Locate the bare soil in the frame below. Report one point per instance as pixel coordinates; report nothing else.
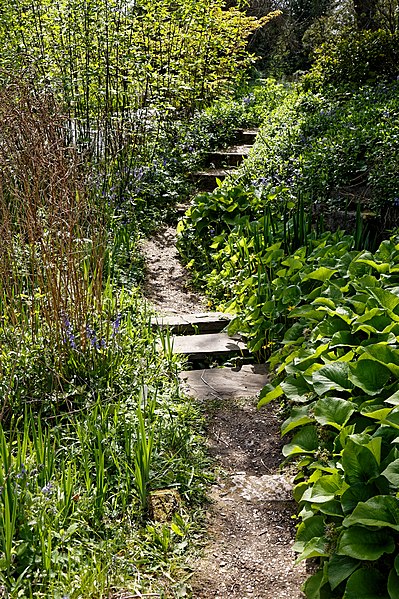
(251, 530)
(250, 533)
(166, 284)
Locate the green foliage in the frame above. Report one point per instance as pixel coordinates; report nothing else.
(355, 58)
(74, 479)
(339, 381)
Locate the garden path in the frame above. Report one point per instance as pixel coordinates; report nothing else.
(250, 526)
(248, 553)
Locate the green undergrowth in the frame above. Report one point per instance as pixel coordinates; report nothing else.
(338, 372)
(333, 148)
(323, 308)
(80, 456)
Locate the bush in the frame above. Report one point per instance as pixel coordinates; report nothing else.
(355, 58)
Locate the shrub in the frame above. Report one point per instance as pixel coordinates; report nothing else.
(355, 58)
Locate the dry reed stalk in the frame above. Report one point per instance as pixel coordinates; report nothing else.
(52, 240)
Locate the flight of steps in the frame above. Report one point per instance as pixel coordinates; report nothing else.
(224, 162)
(203, 340)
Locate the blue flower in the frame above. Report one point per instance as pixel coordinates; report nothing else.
(69, 336)
(47, 489)
(116, 325)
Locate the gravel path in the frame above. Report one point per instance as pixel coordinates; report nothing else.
(250, 533)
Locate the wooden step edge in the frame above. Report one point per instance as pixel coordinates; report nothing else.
(183, 324)
(226, 383)
(208, 346)
(232, 151)
(214, 172)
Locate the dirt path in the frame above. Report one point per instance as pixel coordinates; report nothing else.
(250, 527)
(165, 285)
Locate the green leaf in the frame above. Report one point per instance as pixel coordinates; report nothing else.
(306, 311)
(307, 530)
(385, 298)
(340, 567)
(299, 416)
(331, 508)
(382, 510)
(333, 411)
(315, 587)
(360, 465)
(366, 583)
(391, 473)
(393, 399)
(332, 377)
(354, 494)
(376, 412)
(269, 393)
(296, 389)
(364, 544)
(393, 584)
(344, 338)
(320, 274)
(324, 489)
(369, 375)
(306, 441)
(316, 547)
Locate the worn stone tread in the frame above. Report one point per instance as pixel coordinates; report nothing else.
(232, 156)
(246, 136)
(214, 172)
(208, 345)
(205, 322)
(225, 383)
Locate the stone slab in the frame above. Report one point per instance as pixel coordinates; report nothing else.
(225, 383)
(232, 156)
(269, 487)
(206, 179)
(208, 345)
(206, 322)
(246, 136)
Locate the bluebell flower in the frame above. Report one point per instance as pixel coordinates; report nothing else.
(116, 325)
(47, 489)
(69, 336)
(23, 472)
(91, 336)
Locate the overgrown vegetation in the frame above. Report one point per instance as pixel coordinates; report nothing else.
(320, 303)
(105, 106)
(96, 102)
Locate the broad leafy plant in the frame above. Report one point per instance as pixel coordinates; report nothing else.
(338, 372)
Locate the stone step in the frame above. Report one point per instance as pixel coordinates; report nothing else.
(210, 345)
(183, 324)
(225, 383)
(206, 180)
(246, 136)
(232, 156)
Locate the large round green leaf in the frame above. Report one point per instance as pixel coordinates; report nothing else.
(360, 464)
(366, 583)
(298, 417)
(340, 567)
(364, 544)
(306, 441)
(332, 377)
(333, 411)
(369, 375)
(380, 511)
